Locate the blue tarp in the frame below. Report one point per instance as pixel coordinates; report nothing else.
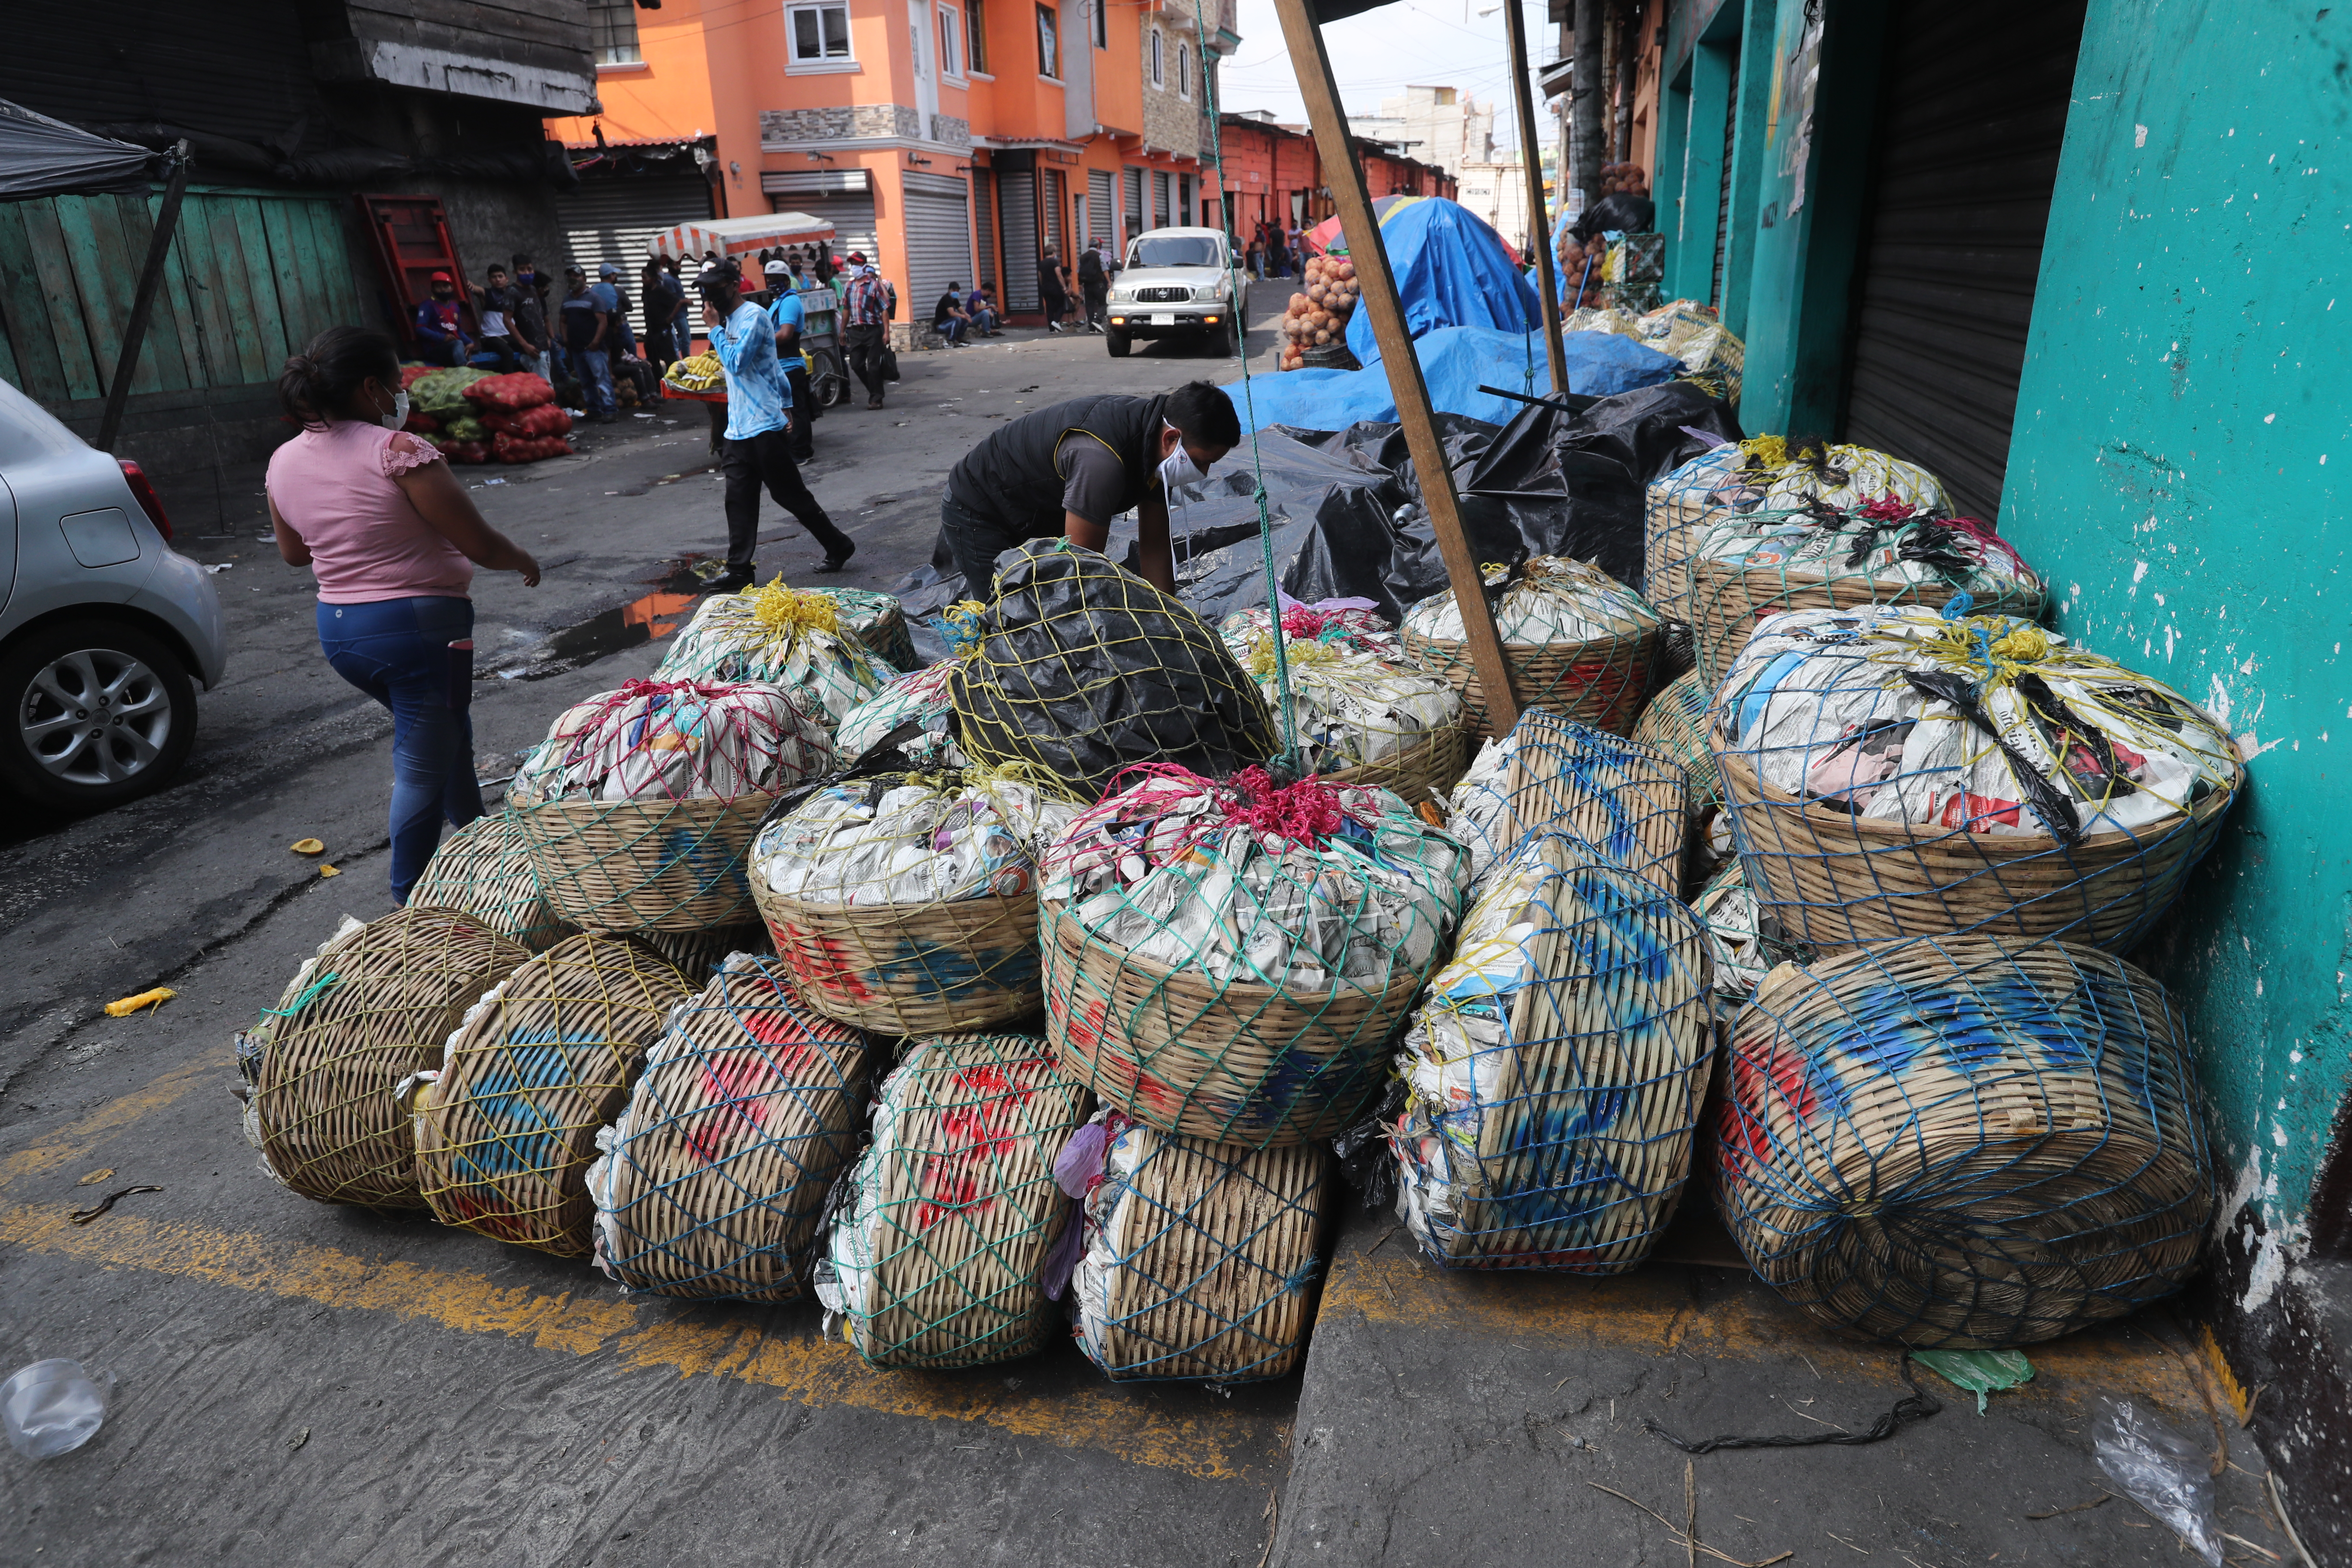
(1454, 361)
(1451, 272)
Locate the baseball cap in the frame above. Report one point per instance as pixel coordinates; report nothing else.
(775, 267)
(608, 271)
(441, 278)
(858, 258)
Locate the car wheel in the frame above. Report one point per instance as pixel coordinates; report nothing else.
(1221, 340)
(96, 714)
(1117, 341)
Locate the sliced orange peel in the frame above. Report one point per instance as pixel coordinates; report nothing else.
(308, 847)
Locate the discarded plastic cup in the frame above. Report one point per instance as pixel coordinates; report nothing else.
(53, 1408)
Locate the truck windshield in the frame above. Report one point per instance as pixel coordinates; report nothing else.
(1177, 250)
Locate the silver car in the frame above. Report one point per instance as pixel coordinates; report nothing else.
(105, 630)
(1177, 283)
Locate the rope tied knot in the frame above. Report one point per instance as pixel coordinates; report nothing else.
(1302, 652)
(1301, 621)
(780, 612)
(1306, 811)
(1888, 507)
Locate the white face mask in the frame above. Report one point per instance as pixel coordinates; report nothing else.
(399, 415)
(1178, 469)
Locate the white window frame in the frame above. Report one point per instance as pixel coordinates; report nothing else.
(1045, 14)
(1184, 70)
(950, 29)
(795, 64)
(1159, 61)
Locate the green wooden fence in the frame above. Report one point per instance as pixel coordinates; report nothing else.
(253, 276)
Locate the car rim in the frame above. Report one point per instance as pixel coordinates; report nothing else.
(95, 717)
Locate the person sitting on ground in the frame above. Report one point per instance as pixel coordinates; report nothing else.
(950, 319)
(440, 326)
(981, 306)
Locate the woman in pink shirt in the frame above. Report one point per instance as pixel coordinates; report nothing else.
(375, 512)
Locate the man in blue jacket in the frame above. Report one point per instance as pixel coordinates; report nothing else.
(759, 422)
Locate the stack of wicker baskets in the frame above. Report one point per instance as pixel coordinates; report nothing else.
(1600, 678)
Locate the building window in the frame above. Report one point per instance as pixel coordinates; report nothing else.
(1049, 42)
(1159, 64)
(1184, 70)
(975, 34)
(950, 41)
(820, 33)
(613, 32)
(1101, 9)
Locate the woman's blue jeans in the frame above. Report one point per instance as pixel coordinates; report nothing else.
(417, 657)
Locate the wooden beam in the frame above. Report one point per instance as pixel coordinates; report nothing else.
(1539, 219)
(1345, 177)
(143, 304)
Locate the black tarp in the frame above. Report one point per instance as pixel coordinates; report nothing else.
(44, 157)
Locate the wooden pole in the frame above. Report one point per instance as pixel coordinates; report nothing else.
(1345, 175)
(143, 305)
(1539, 219)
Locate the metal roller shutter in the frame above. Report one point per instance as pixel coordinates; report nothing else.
(1016, 206)
(1160, 198)
(851, 213)
(1098, 204)
(1723, 186)
(610, 220)
(1134, 209)
(1971, 120)
(938, 240)
(1055, 205)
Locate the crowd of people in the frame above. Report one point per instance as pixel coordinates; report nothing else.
(1274, 251)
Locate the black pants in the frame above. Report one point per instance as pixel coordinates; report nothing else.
(863, 347)
(767, 459)
(975, 540)
(1098, 305)
(803, 409)
(1057, 307)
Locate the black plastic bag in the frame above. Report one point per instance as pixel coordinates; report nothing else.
(1620, 212)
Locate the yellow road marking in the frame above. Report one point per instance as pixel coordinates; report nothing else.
(68, 1143)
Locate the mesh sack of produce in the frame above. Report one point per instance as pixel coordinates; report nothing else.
(1745, 566)
(1675, 722)
(697, 955)
(803, 640)
(1623, 798)
(1554, 1076)
(1362, 717)
(1575, 640)
(483, 869)
(639, 805)
(1082, 668)
(1891, 772)
(442, 393)
(1763, 474)
(907, 902)
(1962, 1143)
(911, 715)
(713, 1181)
(938, 1255)
(506, 1128)
(1196, 1259)
(1232, 961)
(372, 1005)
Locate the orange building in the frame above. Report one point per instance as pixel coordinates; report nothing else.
(1273, 173)
(943, 138)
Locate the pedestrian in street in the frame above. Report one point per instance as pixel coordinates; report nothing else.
(393, 539)
(614, 301)
(440, 326)
(1256, 253)
(1094, 282)
(950, 319)
(587, 342)
(529, 317)
(866, 307)
(494, 304)
(1065, 471)
(981, 306)
(665, 300)
(787, 313)
(759, 421)
(1050, 291)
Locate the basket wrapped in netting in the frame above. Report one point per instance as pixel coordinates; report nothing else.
(1232, 961)
(1083, 669)
(1198, 1258)
(714, 1179)
(1757, 475)
(1737, 936)
(1675, 722)
(1363, 715)
(1745, 566)
(911, 716)
(1962, 1143)
(697, 954)
(938, 1256)
(643, 800)
(372, 1005)
(1576, 642)
(802, 639)
(1891, 773)
(1351, 625)
(907, 902)
(483, 869)
(507, 1128)
(1554, 1078)
(1619, 795)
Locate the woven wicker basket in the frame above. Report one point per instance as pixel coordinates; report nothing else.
(697, 955)
(1623, 798)
(1674, 722)
(938, 1257)
(1236, 1063)
(717, 1173)
(1423, 770)
(1602, 683)
(1964, 1144)
(504, 1137)
(900, 969)
(1672, 520)
(613, 866)
(382, 1002)
(1725, 601)
(1834, 880)
(483, 869)
(1201, 1258)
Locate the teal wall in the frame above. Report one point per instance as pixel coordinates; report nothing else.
(2175, 471)
(1707, 43)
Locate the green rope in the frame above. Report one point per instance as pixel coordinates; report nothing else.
(311, 992)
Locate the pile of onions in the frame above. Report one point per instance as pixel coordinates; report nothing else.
(1319, 317)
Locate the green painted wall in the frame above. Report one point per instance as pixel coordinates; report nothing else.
(2175, 471)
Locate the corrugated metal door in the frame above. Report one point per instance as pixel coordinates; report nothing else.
(1134, 209)
(984, 212)
(1055, 208)
(1160, 198)
(938, 240)
(1971, 120)
(1016, 210)
(1098, 205)
(1723, 186)
(851, 213)
(611, 220)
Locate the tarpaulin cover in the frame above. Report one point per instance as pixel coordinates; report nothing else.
(1451, 270)
(44, 157)
(1456, 361)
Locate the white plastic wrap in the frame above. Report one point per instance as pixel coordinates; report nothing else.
(909, 839)
(1556, 599)
(676, 741)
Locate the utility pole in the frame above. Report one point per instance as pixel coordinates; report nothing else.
(1591, 94)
